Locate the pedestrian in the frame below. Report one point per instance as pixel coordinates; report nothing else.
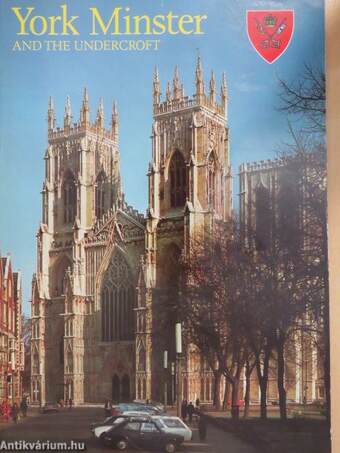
(190, 410)
(197, 403)
(24, 407)
(202, 427)
(108, 408)
(184, 410)
(15, 412)
(5, 409)
(114, 411)
(70, 403)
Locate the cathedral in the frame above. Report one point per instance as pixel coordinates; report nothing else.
(102, 266)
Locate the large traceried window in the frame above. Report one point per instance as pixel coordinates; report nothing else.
(178, 180)
(70, 198)
(117, 297)
(100, 195)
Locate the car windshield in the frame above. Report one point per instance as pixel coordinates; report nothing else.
(159, 425)
(173, 423)
(118, 420)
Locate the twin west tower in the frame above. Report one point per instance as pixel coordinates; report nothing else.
(102, 267)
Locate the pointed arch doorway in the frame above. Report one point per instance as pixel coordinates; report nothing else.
(115, 389)
(126, 388)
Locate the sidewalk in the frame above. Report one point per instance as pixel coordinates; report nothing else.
(32, 412)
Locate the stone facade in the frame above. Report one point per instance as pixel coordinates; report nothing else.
(263, 189)
(11, 344)
(104, 270)
(102, 267)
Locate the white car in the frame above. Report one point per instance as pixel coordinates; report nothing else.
(174, 425)
(100, 430)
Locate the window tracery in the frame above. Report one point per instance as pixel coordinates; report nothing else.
(178, 180)
(117, 301)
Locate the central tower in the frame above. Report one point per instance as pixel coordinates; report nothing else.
(189, 187)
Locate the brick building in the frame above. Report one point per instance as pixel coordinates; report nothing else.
(11, 347)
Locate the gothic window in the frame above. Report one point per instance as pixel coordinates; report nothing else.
(212, 182)
(36, 308)
(263, 218)
(61, 351)
(207, 390)
(69, 305)
(69, 361)
(36, 391)
(289, 202)
(178, 180)
(144, 389)
(100, 195)
(56, 168)
(202, 390)
(185, 388)
(70, 198)
(47, 168)
(58, 276)
(117, 301)
(142, 359)
(45, 207)
(35, 367)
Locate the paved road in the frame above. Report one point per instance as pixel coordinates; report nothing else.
(74, 425)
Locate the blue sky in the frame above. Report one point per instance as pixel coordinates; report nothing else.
(27, 79)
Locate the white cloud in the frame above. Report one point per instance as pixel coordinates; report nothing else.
(246, 85)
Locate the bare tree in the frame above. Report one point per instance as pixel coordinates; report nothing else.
(211, 305)
(306, 98)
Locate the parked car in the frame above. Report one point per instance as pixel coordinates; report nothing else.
(145, 434)
(107, 421)
(174, 425)
(138, 407)
(51, 406)
(156, 404)
(100, 428)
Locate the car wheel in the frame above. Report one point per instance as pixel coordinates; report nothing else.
(170, 447)
(122, 444)
(102, 437)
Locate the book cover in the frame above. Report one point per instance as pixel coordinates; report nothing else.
(164, 273)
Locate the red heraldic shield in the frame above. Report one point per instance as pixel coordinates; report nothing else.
(270, 32)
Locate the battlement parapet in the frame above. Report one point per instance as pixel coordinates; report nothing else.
(262, 165)
(80, 129)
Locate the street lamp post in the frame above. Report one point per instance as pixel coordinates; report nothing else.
(165, 365)
(178, 367)
(173, 397)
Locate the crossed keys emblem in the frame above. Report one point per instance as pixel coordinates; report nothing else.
(270, 32)
(271, 38)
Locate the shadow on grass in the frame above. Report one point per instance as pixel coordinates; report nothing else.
(276, 436)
